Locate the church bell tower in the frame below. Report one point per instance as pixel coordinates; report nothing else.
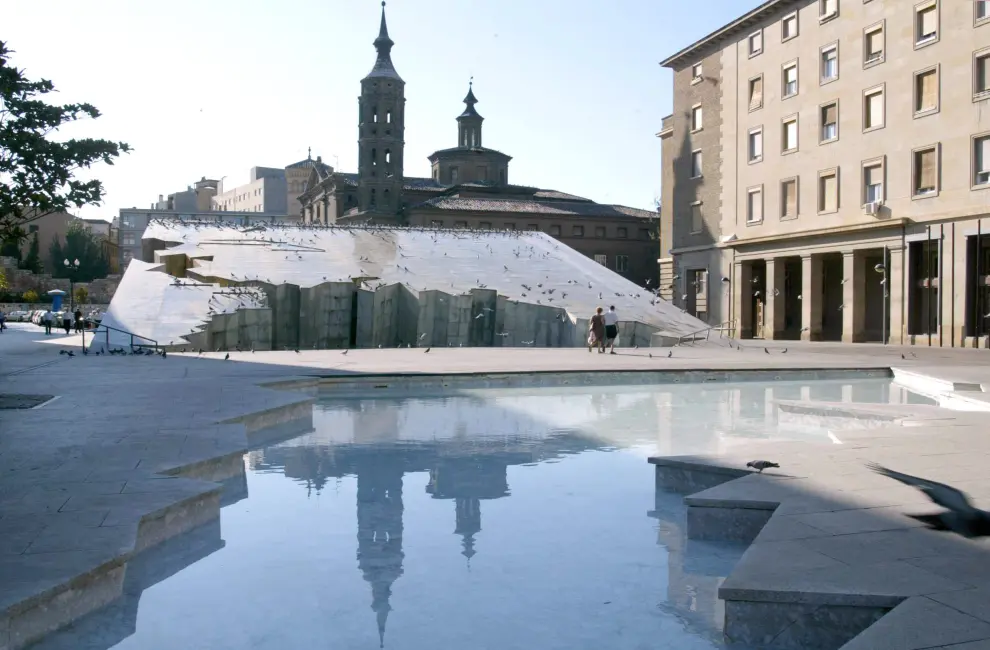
(381, 128)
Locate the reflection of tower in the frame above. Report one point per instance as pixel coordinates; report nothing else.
(467, 481)
(379, 515)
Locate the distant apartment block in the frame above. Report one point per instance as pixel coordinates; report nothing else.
(270, 189)
(826, 173)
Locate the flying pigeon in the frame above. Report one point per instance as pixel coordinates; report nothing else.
(960, 516)
(761, 465)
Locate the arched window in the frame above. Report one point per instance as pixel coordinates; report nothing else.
(388, 156)
(374, 115)
(372, 196)
(374, 157)
(473, 143)
(388, 117)
(385, 196)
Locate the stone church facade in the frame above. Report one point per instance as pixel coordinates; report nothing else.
(468, 188)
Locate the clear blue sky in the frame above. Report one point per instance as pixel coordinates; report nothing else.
(571, 89)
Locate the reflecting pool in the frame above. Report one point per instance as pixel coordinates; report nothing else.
(469, 519)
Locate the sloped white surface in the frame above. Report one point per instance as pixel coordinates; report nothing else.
(525, 266)
(155, 306)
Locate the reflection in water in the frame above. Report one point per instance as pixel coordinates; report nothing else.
(569, 558)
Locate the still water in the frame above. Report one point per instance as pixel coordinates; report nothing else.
(470, 519)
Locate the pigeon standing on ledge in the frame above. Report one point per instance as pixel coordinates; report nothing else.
(960, 516)
(761, 465)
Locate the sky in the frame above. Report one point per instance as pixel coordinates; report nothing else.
(571, 89)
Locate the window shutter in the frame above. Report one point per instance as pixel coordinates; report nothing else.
(828, 6)
(983, 155)
(875, 109)
(831, 114)
(928, 21)
(790, 74)
(874, 43)
(696, 218)
(790, 135)
(926, 169)
(756, 93)
(757, 143)
(790, 198)
(874, 175)
(928, 92)
(757, 41)
(756, 205)
(829, 193)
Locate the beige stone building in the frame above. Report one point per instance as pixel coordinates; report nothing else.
(468, 187)
(826, 165)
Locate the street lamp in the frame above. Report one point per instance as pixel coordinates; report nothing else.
(882, 268)
(71, 267)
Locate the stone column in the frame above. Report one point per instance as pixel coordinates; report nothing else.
(895, 287)
(742, 294)
(853, 296)
(811, 297)
(773, 315)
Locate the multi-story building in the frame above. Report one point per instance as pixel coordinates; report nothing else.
(131, 223)
(827, 165)
(468, 187)
(195, 198)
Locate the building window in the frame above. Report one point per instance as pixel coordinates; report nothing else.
(982, 8)
(128, 240)
(981, 161)
(827, 9)
(873, 43)
(601, 259)
(388, 117)
(789, 27)
(482, 173)
(754, 205)
(873, 183)
(981, 75)
(555, 231)
(622, 263)
(577, 231)
(789, 134)
(926, 24)
(644, 234)
(128, 255)
(873, 109)
(485, 225)
(696, 164)
(926, 92)
(696, 73)
(34, 229)
(622, 232)
(509, 226)
(756, 93)
(453, 175)
(925, 172)
(789, 198)
(756, 145)
(372, 196)
(436, 223)
(460, 224)
(830, 122)
(755, 43)
(600, 232)
(828, 191)
(696, 118)
(830, 63)
(697, 223)
(790, 80)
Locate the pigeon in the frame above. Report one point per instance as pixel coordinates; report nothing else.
(761, 465)
(226, 356)
(650, 354)
(784, 351)
(344, 352)
(670, 354)
(296, 350)
(427, 350)
(70, 353)
(903, 357)
(766, 350)
(960, 516)
(163, 354)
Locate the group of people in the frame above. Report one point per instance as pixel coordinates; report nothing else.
(604, 330)
(68, 318)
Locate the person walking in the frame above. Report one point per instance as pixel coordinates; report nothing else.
(611, 328)
(596, 337)
(67, 321)
(46, 318)
(79, 320)
(3, 321)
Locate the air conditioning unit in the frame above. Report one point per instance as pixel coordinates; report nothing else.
(872, 208)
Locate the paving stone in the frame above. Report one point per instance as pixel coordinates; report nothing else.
(920, 623)
(975, 602)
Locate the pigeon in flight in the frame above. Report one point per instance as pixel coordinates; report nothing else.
(761, 465)
(960, 516)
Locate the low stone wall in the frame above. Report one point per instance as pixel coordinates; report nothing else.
(7, 307)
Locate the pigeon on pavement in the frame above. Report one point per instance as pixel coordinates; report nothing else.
(960, 516)
(761, 465)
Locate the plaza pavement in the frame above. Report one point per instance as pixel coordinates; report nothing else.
(131, 451)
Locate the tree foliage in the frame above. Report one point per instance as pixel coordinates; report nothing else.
(10, 248)
(80, 244)
(3, 280)
(82, 295)
(31, 296)
(37, 174)
(32, 261)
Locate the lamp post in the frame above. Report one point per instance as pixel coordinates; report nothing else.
(71, 268)
(882, 268)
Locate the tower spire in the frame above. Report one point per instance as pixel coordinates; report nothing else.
(469, 122)
(383, 44)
